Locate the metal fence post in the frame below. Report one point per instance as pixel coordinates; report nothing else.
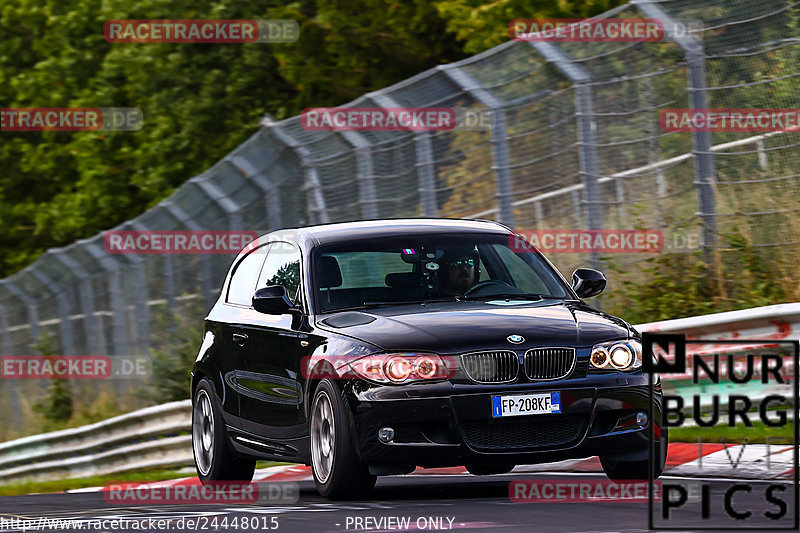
(317, 210)
(13, 387)
(119, 330)
(704, 165)
(426, 174)
(5, 336)
(270, 190)
(142, 314)
(67, 340)
(653, 152)
(231, 208)
(762, 156)
(704, 158)
(587, 133)
(364, 173)
(86, 295)
(30, 305)
(469, 84)
(206, 277)
(423, 148)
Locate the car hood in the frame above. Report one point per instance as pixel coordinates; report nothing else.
(466, 326)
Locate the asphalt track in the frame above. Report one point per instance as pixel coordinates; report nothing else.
(473, 503)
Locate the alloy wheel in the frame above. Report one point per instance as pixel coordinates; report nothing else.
(323, 437)
(203, 432)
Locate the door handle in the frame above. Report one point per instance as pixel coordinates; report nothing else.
(239, 338)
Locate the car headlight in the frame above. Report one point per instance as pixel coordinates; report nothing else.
(617, 355)
(400, 368)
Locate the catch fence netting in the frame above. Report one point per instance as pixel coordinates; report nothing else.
(573, 141)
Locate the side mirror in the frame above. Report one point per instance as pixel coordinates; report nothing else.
(587, 282)
(272, 300)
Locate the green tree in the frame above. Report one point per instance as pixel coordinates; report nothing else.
(480, 25)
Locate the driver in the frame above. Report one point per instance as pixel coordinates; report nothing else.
(460, 270)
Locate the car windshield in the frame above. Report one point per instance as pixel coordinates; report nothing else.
(423, 268)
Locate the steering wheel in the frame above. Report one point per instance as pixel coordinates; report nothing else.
(483, 284)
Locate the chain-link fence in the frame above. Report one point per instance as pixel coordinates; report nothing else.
(575, 142)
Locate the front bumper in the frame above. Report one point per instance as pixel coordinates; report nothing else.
(444, 424)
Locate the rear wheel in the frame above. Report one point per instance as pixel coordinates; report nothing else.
(338, 474)
(213, 456)
(489, 470)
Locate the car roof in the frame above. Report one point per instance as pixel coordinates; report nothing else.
(346, 231)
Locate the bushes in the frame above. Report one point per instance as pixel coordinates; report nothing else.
(678, 285)
(175, 344)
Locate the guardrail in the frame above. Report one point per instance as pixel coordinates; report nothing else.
(160, 436)
(156, 436)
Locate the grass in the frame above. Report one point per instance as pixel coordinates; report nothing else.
(757, 434)
(61, 485)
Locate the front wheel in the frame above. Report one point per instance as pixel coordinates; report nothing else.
(338, 474)
(213, 456)
(618, 470)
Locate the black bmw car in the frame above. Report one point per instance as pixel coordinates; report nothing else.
(371, 348)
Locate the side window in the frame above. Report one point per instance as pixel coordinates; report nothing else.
(244, 278)
(282, 268)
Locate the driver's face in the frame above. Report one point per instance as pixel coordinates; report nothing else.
(460, 275)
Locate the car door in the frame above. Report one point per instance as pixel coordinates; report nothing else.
(271, 396)
(229, 330)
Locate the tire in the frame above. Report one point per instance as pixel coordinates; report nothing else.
(489, 470)
(617, 470)
(338, 474)
(214, 458)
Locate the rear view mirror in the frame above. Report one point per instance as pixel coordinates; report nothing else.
(588, 282)
(272, 300)
(421, 254)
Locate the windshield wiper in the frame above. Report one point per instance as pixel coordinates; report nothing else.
(510, 296)
(371, 305)
(367, 305)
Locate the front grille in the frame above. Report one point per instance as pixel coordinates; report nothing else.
(549, 363)
(539, 432)
(491, 367)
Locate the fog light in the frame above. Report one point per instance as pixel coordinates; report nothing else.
(641, 419)
(385, 435)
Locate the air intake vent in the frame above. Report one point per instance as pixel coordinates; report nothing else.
(534, 432)
(491, 367)
(549, 363)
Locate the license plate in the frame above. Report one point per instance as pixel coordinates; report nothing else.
(526, 404)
